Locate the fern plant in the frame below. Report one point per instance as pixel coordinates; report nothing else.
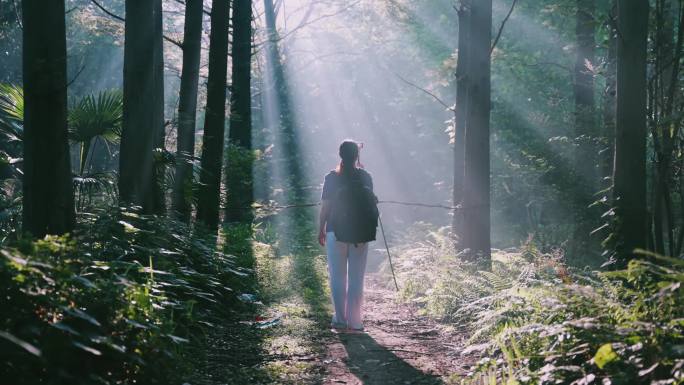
(535, 320)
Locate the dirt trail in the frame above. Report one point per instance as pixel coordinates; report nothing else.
(294, 345)
(398, 346)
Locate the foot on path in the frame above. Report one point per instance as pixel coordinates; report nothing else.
(292, 342)
(397, 347)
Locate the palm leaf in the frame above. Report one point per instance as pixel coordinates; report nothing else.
(97, 115)
(11, 111)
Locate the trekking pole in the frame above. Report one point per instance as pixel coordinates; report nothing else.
(389, 256)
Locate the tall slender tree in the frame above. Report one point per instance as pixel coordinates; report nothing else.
(583, 86)
(585, 119)
(48, 203)
(158, 100)
(187, 109)
(663, 125)
(277, 73)
(283, 113)
(462, 74)
(276, 78)
(630, 141)
(476, 189)
(215, 117)
(609, 97)
(240, 188)
(138, 130)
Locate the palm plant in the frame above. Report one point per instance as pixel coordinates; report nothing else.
(94, 118)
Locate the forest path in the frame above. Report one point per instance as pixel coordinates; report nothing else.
(397, 347)
(287, 340)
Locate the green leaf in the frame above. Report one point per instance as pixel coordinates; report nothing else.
(25, 345)
(97, 115)
(605, 355)
(81, 314)
(129, 228)
(87, 348)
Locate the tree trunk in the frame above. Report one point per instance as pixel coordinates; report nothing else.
(215, 117)
(138, 133)
(609, 99)
(460, 116)
(630, 142)
(159, 169)
(288, 144)
(476, 196)
(585, 130)
(277, 75)
(187, 109)
(239, 181)
(664, 125)
(584, 94)
(48, 202)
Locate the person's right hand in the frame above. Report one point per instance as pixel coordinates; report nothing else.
(321, 238)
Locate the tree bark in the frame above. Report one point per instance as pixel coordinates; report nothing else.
(240, 189)
(476, 196)
(159, 169)
(584, 93)
(215, 117)
(288, 144)
(609, 99)
(48, 202)
(187, 109)
(585, 131)
(630, 142)
(138, 133)
(460, 115)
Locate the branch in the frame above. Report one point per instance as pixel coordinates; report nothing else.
(76, 76)
(121, 19)
(326, 16)
(174, 42)
(105, 10)
(503, 24)
(305, 18)
(440, 101)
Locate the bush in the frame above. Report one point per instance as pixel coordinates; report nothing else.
(534, 320)
(122, 300)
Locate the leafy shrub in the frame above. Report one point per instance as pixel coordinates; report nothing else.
(122, 300)
(533, 320)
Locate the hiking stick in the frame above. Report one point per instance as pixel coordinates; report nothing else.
(389, 256)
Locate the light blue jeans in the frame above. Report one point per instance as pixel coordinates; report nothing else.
(346, 269)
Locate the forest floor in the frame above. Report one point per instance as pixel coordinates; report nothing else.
(398, 346)
(288, 339)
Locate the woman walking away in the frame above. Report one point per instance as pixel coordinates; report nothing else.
(348, 221)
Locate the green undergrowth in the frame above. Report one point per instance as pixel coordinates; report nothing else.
(533, 319)
(288, 321)
(291, 276)
(125, 299)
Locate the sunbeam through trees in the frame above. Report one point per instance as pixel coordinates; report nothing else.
(326, 192)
